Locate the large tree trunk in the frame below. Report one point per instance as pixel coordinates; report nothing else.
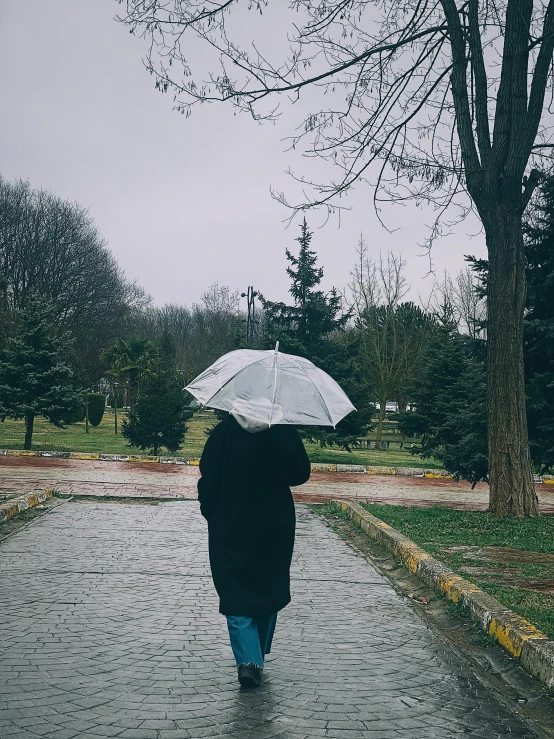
(512, 490)
(29, 424)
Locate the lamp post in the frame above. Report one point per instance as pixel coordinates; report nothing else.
(251, 313)
(116, 388)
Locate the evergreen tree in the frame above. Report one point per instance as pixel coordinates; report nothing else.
(304, 327)
(315, 327)
(538, 336)
(341, 361)
(158, 418)
(96, 403)
(34, 378)
(4, 319)
(450, 403)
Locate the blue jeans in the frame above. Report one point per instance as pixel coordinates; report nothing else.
(251, 638)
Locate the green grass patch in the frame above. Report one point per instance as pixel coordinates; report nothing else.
(392, 458)
(436, 528)
(103, 440)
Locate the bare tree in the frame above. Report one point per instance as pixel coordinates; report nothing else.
(444, 97)
(393, 334)
(201, 333)
(470, 304)
(51, 248)
(461, 302)
(443, 301)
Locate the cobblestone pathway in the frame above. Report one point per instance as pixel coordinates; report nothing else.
(109, 628)
(169, 481)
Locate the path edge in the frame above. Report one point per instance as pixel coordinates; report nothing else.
(195, 461)
(363, 469)
(533, 650)
(13, 507)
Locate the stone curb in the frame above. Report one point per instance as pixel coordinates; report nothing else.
(359, 469)
(11, 508)
(316, 466)
(521, 639)
(97, 456)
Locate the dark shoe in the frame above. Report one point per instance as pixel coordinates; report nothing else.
(250, 676)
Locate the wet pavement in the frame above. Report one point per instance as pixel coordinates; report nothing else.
(109, 628)
(171, 481)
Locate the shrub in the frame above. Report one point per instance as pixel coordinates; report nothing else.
(96, 406)
(159, 416)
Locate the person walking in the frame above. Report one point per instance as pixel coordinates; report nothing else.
(250, 461)
(247, 469)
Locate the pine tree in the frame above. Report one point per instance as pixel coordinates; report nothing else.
(158, 418)
(538, 333)
(34, 378)
(450, 403)
(4, 319)
(304, 327)
(315, 327)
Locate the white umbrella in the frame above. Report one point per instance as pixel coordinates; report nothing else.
(271, 387)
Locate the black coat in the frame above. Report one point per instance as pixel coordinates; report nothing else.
(244, 495)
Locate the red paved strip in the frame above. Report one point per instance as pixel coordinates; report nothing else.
(94, 464)
(172, 481)
(393, 480)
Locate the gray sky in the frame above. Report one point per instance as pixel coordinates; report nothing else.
(182, 203)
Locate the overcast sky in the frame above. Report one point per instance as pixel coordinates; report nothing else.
(181, 202)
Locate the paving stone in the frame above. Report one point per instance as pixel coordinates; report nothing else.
(118, 634)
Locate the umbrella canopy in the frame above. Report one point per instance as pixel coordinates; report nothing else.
(271, 387)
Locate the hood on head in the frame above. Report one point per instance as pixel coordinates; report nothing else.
(250, 424)
(253, 415)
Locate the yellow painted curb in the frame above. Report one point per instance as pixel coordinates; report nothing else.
(410, 554)
(512, 632)
(455, 587)
(315, 466)
(437, 476)
(12, 507)
(519, 637)
(380, 470)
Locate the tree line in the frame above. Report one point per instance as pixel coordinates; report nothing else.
(430, 359)
(444, 103)
(71, 323)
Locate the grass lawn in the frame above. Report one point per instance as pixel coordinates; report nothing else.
(102, 439)
(523, 580)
